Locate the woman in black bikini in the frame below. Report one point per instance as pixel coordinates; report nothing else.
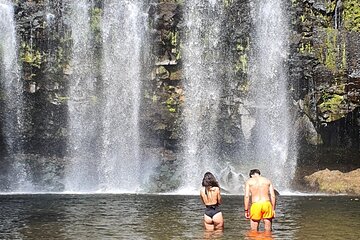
(210, 196)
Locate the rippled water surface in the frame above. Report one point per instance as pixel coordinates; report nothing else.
(121, 216)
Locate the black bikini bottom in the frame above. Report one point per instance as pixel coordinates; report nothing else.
(211, 210)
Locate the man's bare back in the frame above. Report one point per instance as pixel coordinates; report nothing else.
(262, 194)
(259, 188)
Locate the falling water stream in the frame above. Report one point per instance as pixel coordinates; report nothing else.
(104, 96)
(12, 88)
(104, 118)
(271, 146)
(81, 173)
(202, 73)
(124, 32)
(268, 142)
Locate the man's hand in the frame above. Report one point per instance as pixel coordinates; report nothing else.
(247, 214)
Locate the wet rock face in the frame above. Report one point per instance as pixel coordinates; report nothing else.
(41, 56)
(324, 68)
(336, 182)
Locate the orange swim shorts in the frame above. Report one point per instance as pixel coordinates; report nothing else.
(261, 210)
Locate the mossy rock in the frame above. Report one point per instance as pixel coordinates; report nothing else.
(351, 15)
(162, 72)
(332, 109)
(176, 75)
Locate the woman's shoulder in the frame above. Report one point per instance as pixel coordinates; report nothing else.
(215, 189)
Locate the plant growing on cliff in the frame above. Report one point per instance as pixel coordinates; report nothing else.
(95, 24)
(332, 50)
(170, 103)
(331, 107)
(227, 3)
(351, 15)
(31, 56)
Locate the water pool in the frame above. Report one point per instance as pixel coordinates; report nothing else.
(132, 216)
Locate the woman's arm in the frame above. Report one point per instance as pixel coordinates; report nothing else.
(202, 196)
(219, 199)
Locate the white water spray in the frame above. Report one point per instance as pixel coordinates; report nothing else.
(202, 72)
(271, 147)
(123, 29)
(81, 173)
(12, 88)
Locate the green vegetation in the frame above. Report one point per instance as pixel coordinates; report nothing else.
(170, 104)
(61, 99)
(242, 63)
(351, 15)
(332, 105)
(154, 98)
(31, 56)
(244, 87)
(174, 37)
(305, 48)
(95, 23)
(331, 49)
(175, 43)
(330, 6)
(162, 72)
(302, 18)
(332, 53)
(227, 3)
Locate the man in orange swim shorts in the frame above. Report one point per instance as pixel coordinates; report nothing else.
(263, 205)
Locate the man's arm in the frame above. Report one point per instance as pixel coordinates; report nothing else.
(272, 196)
(247, 200)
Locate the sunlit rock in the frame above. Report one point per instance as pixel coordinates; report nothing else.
(337, 182)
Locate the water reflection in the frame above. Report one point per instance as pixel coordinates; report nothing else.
(169, 217)
(265, 235)
(213, 234)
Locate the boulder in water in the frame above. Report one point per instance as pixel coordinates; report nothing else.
(335, 182)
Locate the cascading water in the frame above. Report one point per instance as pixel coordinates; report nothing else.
(81, 174)
(202, 83)
(124, 31)
(104, 117)
(104, 137)
(12, 90)
(271, 146)
(269, 140)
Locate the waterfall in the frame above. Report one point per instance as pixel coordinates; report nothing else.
(202, 84)
(11, 88)
(123, 30)
(104, 130)
(81, 174)
(271, 146)
(268, 141)
(337, 14)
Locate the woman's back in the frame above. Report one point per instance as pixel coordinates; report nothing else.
(210, 195)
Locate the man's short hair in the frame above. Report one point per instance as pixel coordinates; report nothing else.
(253, 171)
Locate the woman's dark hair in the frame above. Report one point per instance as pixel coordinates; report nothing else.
(253, 171)
(209, 180)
